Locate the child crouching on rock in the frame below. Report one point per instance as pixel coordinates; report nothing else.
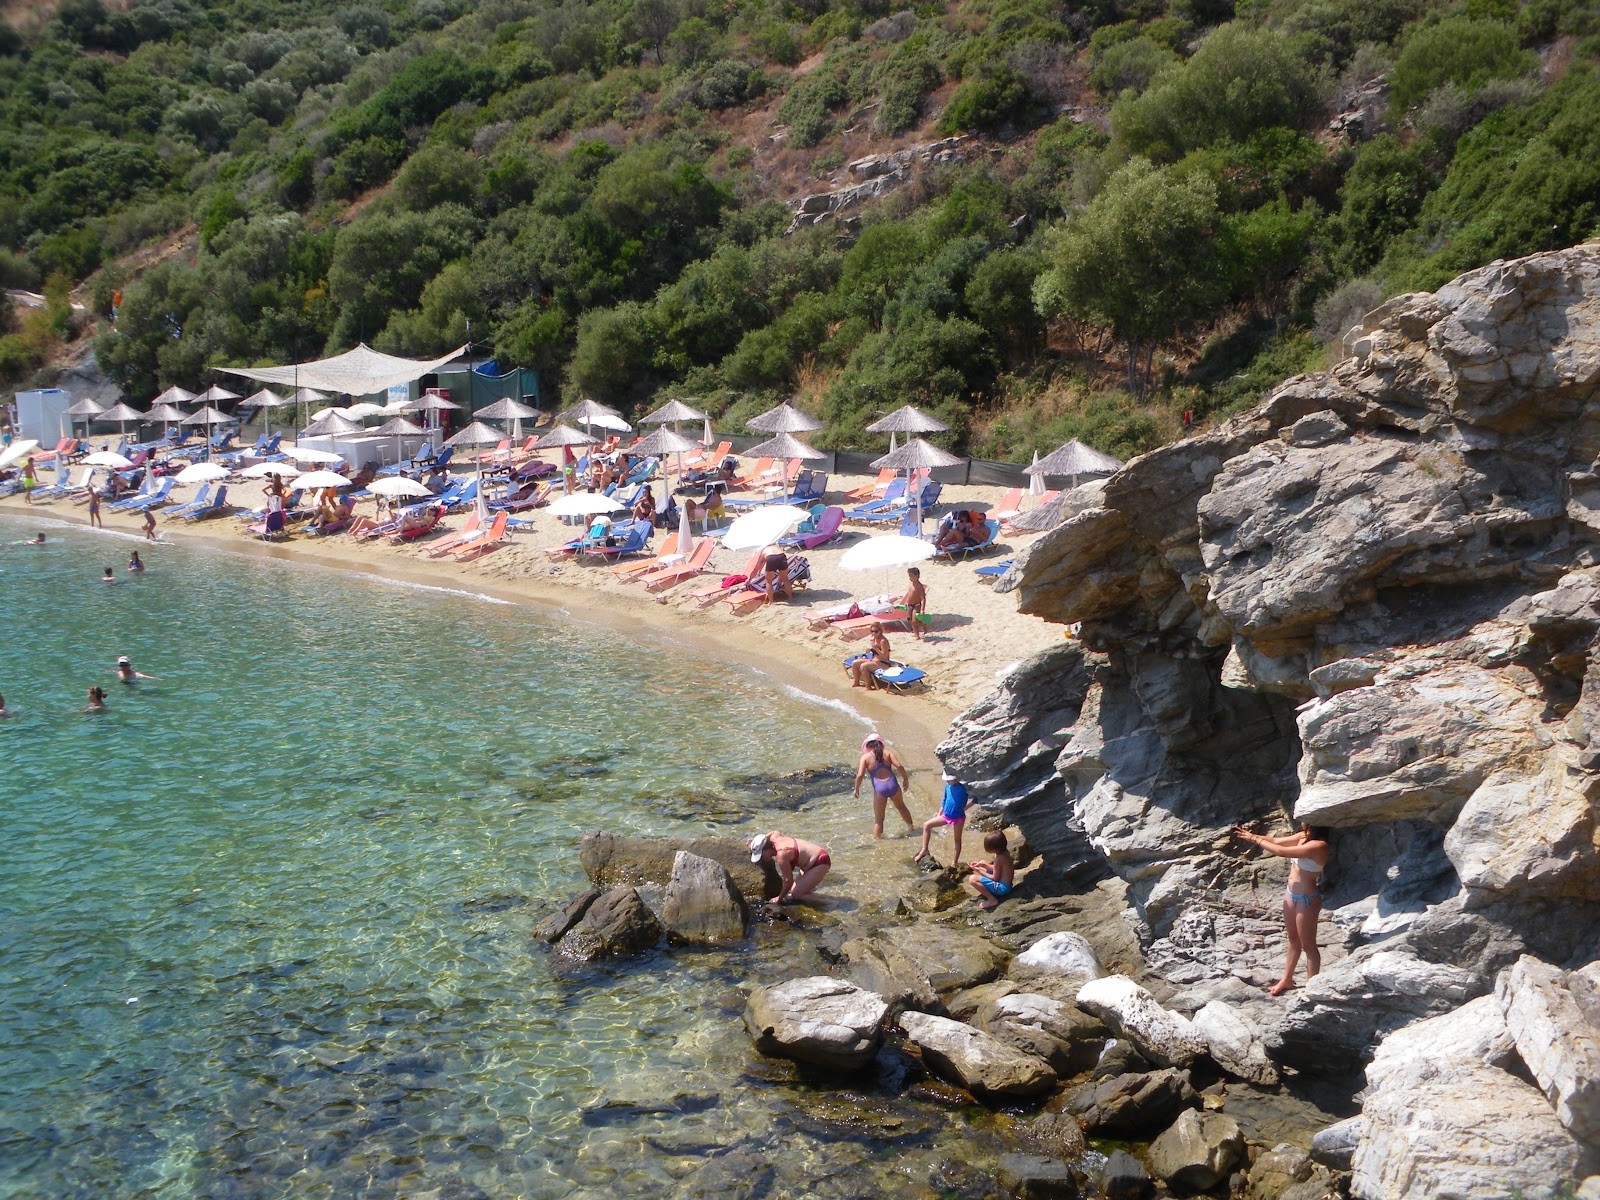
(992, 881)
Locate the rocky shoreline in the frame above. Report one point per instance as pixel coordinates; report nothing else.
(1372, 603)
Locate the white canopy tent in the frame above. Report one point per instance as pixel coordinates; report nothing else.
(359, 372)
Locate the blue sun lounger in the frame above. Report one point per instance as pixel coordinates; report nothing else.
(200, 501)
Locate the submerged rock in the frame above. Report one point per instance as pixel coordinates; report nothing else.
(1036, 1177)
(819, 1020)
(702, 903)
(1124, 1178)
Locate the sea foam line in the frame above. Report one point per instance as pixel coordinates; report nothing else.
(387, 581)
(843, 706)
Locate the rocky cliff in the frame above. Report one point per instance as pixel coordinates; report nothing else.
(1372, 603)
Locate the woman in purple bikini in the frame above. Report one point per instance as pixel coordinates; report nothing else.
(880, 764)
(1307, 852)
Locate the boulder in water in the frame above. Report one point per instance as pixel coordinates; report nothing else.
(1124, 1177)
(1065, 1036)
(610, 859)
(1036, 1177)
(984, 1065)
(819, 1020)
(615, 922)
(880, 966)
(702, 903)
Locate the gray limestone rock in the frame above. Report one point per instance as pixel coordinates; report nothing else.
(1055, 1135)
(879, 965)
(1553, 1017)
(1065, 1036)
(702, 903)
(1287, 1172)
(615, 922)
(952, 958)
(819, 1020)
(1129, 1011)
(1234, 1042)
(1197, 1151)
(1063, 955)
(1335, 1145)
(982, 1064)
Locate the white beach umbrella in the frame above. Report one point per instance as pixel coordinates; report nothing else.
(266, 470)
(322, 479)
(890, 550)
(311, 454)
(1035, 477)
(18, 451)
(365, 408)
(107, 458)
(763, 526)
(200, 473)
(584, 504)
(685, 533)
(397, 485)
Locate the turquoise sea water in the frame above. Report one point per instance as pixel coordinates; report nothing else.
(264, 924)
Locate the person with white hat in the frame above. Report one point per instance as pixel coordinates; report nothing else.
(801, 865)
(880, 765)
(126, 673)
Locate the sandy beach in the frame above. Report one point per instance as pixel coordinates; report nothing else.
(975, 632)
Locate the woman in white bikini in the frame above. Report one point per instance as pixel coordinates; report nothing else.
(1307, 852)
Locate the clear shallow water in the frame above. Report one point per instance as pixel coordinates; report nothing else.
(264, 924)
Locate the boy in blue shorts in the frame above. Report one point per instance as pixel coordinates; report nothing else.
(992, 880)
(953, 812)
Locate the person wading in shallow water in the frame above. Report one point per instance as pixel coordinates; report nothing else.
(1307, 852)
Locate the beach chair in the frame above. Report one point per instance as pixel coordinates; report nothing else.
(756, 477)
(633, 541)
(1005, 522)
(154, 492)
(894, 495)
(274, 528)
(632, 570)
(484, 543)
(896, 619)
(424, 455)
(797, 578)
(1010, 505)
(826, 530)
(897, 677)
(54, 455)
(415, 523)
(995, 570)
(876, 488)
(200, 501)
(672, 574)
(991, 531)
(503, 450)
(219, 501)
(729, 584)
(707, 458)
(63, 486)
(468, 531)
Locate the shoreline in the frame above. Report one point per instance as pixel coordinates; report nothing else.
(913, 725)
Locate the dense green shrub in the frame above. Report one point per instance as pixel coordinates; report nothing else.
(990, 100)
(1239, 81)
(1382, 195)
(1459, 50)
(808, 108)
(1129, 66)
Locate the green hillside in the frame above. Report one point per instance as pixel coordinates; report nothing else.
(1142, 207)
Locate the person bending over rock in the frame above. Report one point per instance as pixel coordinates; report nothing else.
(801, 865)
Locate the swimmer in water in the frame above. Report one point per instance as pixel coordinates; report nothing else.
(3, 710)
(134, 562)
(108, 577)
(97, 700)
(36, 540)
(127, 674)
